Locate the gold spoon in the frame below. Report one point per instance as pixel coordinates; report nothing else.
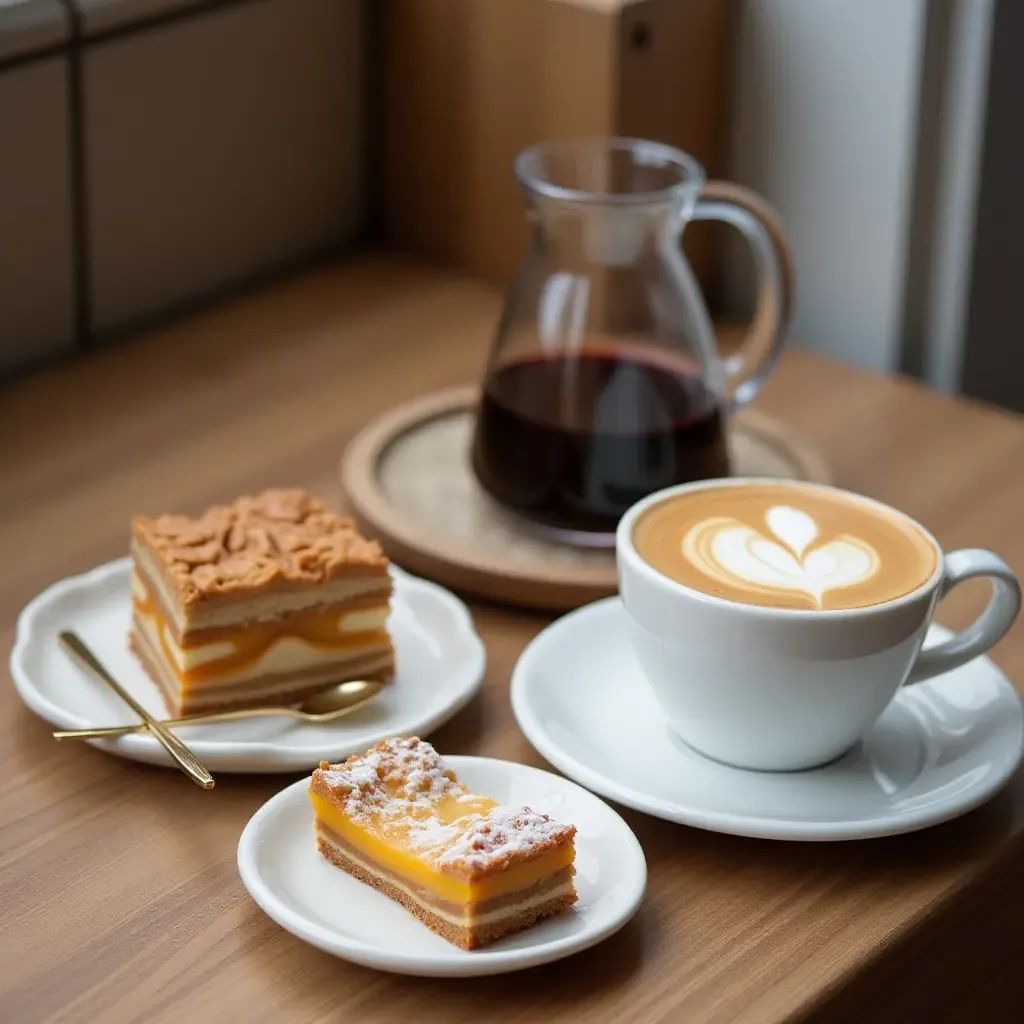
(325, 706)
(186, 760)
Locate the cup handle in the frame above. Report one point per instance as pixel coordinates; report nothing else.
(987, 629)
(754, 218)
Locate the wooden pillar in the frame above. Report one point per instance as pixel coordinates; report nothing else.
(469, 83)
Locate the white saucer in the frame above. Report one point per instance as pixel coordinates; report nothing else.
(302, 892)
(941, 748)
(440, 662)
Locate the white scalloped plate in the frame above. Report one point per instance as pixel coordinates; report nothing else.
(319, 903)
(439, 656)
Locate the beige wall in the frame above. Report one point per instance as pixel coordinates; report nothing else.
(825, 126)
(154, 153)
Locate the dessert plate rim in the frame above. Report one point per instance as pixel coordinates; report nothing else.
(262, 879)
(949, 801)
(461, 682)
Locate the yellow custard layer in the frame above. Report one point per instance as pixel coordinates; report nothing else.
(385, 844)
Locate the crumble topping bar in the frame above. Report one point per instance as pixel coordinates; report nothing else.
(469, 868)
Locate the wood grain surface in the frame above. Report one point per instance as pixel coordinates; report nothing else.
(119, 896)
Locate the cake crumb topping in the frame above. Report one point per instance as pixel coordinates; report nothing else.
(276, 535)
(403, 782)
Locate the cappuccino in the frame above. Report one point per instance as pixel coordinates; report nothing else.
(785, 545)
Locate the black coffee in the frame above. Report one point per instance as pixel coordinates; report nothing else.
(572, 442)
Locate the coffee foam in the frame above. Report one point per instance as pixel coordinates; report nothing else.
(785, 545)
(735, 554)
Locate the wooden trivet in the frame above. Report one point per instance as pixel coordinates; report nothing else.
(409, 483)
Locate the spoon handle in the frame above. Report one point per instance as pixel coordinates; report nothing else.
(187, 761)
(173, 723)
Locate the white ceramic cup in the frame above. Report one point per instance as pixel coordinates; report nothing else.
(778, 689)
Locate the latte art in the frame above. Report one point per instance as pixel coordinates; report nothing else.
(784, 559)
(786, 545)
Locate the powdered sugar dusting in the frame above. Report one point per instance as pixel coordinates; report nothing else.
(499, 833)
(403, 787)
(397, 778)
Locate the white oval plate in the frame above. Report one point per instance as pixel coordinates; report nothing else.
(940, 749)
(440, 661)
(321, 904)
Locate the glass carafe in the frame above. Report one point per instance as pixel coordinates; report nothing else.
(604, 382)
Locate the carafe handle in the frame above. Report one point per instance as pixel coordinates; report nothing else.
(747, 369)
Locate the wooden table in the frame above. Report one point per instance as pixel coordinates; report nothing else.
(119, 897)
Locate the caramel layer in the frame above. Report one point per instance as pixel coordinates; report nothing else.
(278, 689)
(320, 629)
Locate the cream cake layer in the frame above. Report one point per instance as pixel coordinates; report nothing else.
(283, 688)
(469, 868)
(227, 612)
(340, 626)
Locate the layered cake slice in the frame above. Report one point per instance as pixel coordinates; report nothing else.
(470, 869)
(263, 601)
